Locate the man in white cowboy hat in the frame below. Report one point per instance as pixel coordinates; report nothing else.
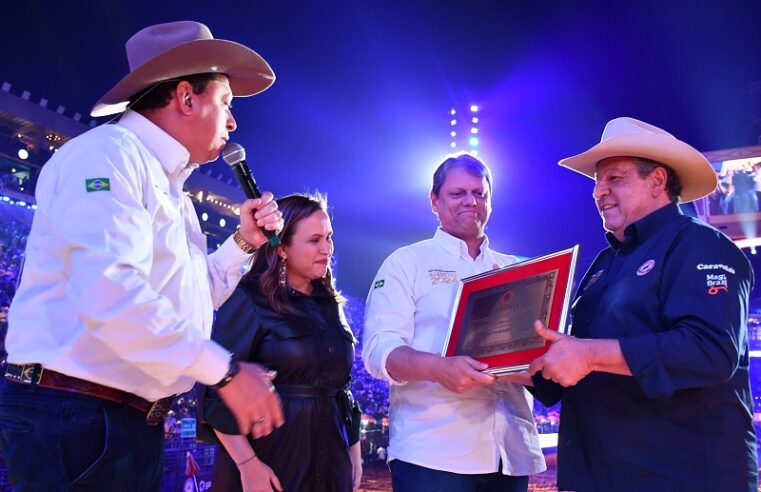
(654, 381)
(114, 311)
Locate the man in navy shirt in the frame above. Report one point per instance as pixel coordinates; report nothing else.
(654, 381)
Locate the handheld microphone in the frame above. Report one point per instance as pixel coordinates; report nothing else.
(235, 156)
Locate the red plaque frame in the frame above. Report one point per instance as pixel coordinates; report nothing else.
(562, 262)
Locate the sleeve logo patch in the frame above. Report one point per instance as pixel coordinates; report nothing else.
(97, 184)
(645, 268)
(379, 284)
(716, 283)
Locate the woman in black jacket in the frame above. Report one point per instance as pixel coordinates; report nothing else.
(287, 316)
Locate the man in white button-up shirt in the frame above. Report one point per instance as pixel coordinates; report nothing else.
(115, 306)
(453, 427)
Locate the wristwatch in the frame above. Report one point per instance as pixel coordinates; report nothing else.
(242, 243)
(232, 370)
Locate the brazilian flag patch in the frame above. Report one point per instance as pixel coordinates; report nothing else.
(379, 284)
(97, 184)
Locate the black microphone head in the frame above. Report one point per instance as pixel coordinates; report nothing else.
(233, 153)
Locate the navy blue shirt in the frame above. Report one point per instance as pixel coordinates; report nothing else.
(675, 295)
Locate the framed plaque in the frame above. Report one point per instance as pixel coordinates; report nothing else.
(494, 312)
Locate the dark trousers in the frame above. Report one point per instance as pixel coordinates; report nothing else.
(57, 441)
(407, 477)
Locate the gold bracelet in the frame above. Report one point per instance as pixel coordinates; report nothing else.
(242, 243)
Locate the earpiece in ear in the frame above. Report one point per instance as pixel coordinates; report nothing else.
(188, 103)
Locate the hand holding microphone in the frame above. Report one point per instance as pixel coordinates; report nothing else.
(235, 156)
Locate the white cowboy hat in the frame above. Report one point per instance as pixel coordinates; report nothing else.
(177, 49)
(627, 137)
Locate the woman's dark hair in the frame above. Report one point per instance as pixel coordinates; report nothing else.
(266, 266)
(157, 96)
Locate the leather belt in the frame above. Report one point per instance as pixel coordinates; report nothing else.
(36, 375)
(307, 391)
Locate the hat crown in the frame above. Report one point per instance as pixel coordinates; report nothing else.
(153, 41)
(629, 126)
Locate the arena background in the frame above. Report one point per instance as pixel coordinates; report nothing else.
(362, 110)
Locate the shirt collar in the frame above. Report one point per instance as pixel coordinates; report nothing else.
(318, 290)
(639, 232)
(170, 153)
(457, 246)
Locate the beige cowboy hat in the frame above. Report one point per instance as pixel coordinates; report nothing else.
(177, 49)
(627, 137)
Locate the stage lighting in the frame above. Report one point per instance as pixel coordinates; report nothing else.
(474, 130)
(453, 122)
(204, 216)
(452, 112)
(23, 154)
(453, 144)
(222, 222)
(473, 141)
(452, 134)
(473, 108)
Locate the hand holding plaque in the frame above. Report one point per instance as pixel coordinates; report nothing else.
(494, 314)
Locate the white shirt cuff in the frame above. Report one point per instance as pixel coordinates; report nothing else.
(385, 351)
(212, 364)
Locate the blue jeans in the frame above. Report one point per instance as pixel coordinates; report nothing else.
(406, 477)
(57, 441)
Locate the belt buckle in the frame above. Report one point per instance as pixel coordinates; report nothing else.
(158, 410)
(24, 373)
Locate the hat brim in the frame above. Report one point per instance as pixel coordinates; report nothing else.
(248, 72)
(695, 173)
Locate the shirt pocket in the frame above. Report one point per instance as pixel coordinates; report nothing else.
(287, 331)
(291, 347)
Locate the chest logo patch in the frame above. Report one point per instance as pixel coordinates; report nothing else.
(442, 277)
(716, 283)
(645, 268)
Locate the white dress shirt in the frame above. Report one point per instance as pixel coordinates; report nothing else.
(409, 304)
(117, 287)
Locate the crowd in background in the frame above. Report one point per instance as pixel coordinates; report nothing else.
(14, 227)
(739, 190)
